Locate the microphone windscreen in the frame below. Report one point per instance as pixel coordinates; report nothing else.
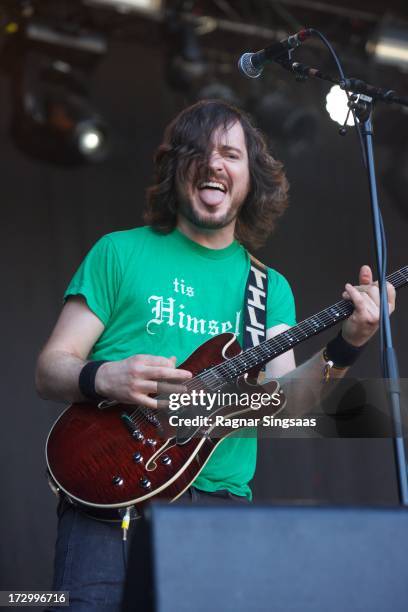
(247, 68)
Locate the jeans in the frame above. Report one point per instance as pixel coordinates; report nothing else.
(89, 555)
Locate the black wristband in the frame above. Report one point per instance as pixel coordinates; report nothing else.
(342, 353)
(86, 381)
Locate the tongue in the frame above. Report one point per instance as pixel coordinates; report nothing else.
(211, 197)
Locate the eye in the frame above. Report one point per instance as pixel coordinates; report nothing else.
(232, 156)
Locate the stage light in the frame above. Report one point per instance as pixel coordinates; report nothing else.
(336, 106)
(89, 140)
(390, 45)
(54, 119)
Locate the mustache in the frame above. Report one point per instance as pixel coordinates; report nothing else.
(209, 176)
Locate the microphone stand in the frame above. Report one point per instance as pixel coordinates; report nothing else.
(363, 106)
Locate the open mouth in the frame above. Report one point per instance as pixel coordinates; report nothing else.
(216, 185)
(212, 193)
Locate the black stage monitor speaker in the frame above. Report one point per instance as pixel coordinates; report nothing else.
(242, 559)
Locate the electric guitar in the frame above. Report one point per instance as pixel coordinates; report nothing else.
(107, 460)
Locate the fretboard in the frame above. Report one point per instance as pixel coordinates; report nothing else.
(258, 355)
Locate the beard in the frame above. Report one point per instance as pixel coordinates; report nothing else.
(204, 221)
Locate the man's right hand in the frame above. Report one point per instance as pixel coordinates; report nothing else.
(132, 380)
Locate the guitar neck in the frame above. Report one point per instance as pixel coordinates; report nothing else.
(258, 355)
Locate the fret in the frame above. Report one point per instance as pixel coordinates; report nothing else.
(288, 337)
(315, 324)
(333, 313)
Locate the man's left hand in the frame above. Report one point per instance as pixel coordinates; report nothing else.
(363, 322)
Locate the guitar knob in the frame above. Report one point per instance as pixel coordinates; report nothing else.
(166, 460)
(145, 483)
(117, 481)
(137, 458)
(151, 442)
(138, 434)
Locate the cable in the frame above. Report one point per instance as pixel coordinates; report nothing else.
(382, 255)
(342, 76)
(125, 528)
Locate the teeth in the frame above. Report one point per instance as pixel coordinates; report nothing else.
(212, 185)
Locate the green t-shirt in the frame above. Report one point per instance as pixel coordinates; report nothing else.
(166, 295)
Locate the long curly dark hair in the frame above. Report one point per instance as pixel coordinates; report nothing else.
(188, 138)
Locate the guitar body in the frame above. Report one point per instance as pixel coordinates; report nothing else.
(105, 460)
(100, 464)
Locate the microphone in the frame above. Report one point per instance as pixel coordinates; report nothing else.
(251, 64)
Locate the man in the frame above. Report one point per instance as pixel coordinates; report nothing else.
(144, 299)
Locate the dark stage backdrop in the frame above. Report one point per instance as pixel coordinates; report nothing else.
(50, 218)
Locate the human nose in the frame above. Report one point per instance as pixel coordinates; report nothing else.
(215, 161)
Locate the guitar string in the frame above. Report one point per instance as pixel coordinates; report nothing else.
(228, 368)
(267, 353)
(339, 309)
(210, 376)
(299, 332)
(324, 318)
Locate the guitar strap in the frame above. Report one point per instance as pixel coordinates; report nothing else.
(255, 302)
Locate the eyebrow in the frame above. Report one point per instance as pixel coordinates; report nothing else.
(229, 148)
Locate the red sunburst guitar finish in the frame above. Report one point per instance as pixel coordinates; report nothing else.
(99, 463)
(106, 460)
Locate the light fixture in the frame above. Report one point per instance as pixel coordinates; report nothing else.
(54, 119)
(390, 45)
(90, 139)
(337, 106)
